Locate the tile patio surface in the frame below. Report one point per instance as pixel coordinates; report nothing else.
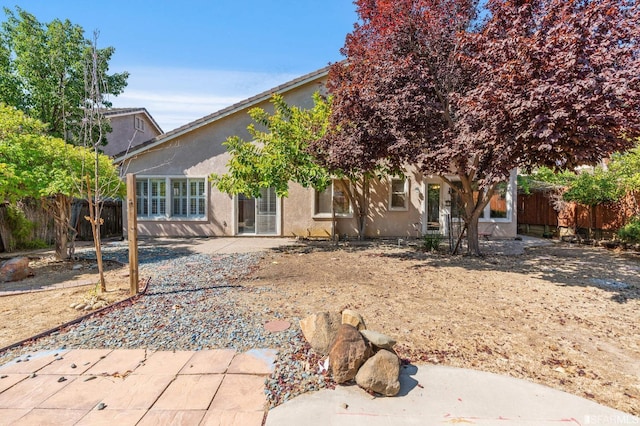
(135, 387)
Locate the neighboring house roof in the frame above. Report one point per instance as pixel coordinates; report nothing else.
(117, 112)
(166, 137)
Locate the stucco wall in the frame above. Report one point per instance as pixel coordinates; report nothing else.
(123, 131)
(200, 152)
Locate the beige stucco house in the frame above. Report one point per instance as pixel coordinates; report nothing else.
(129, 128)
(175, 198)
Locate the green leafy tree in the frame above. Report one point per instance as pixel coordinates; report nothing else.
(279, 154)
(591, 188)
(36, 165)
(42, 70)
(626, 167)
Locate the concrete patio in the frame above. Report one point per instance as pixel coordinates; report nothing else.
(135, 386)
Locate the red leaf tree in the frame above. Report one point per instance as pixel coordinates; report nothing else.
(472, 93)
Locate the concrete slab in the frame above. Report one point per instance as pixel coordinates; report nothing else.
(8, 380)
(110, 417)
(254, 361)
(240, 392)
(189, 392)
(50, 417)
(80, 393)
(164, 362)
(9, 416)
(31, 362)
(172, 417)
(118, 363)
(31, 392)
(435, 395)
(215, 361)
(232, 418)
(82, 359)
(137, 391)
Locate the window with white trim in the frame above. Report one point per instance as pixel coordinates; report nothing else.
(138, 123)
(399, 194)
(186, 198)
(335, 194)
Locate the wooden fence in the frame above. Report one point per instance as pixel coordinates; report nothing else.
(536, 215)
(43, 222)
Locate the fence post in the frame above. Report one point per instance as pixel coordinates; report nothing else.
(132, 226)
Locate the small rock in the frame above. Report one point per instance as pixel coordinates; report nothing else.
(101, 406)
(74, 366)
(348, 352)
(380, 374)
(353, 318)
(15, 269)
(90, 378)
(77, 266)
(32, 375)
(88, 307)
(4, 376)
(80, 306)
(378, 340)
(62, 379)
(344, 405)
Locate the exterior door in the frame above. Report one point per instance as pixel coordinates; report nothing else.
(258, 216)
(433, 202)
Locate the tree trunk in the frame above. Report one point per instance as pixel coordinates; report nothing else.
(95, 220)
(62, 216)
(473, 240)
(363, 208)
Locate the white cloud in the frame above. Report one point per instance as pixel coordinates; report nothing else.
(175, 96)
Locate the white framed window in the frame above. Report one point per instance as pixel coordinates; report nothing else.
(138, 123)
(399, 194)
(335, 194)
(180, 198)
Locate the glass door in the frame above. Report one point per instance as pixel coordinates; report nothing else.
(258, 216)
(433, 208)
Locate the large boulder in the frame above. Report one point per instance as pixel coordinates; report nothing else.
(378, 340)
(15, 269)
(355, 319)
(380, 374)
(348, 352)
(320, 330)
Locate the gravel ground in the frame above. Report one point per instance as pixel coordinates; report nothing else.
(192, 303)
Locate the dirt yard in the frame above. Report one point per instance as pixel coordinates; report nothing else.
(46, 296)
(564, 316)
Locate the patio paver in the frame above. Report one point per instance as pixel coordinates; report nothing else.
(215, 361)
(137, 387)
(82, 359)
(190, 392)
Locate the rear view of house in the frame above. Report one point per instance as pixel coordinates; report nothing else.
(175, 197)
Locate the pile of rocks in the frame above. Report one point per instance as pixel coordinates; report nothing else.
(353, 352)
(90, 304)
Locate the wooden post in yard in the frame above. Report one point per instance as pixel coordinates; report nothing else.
(132, 226)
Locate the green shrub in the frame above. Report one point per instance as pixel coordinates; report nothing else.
(630, 233)
(431, 242)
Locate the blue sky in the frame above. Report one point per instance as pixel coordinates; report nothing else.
(190, 58)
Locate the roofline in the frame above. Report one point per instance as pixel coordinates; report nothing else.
(127, 111)
(225, 112)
